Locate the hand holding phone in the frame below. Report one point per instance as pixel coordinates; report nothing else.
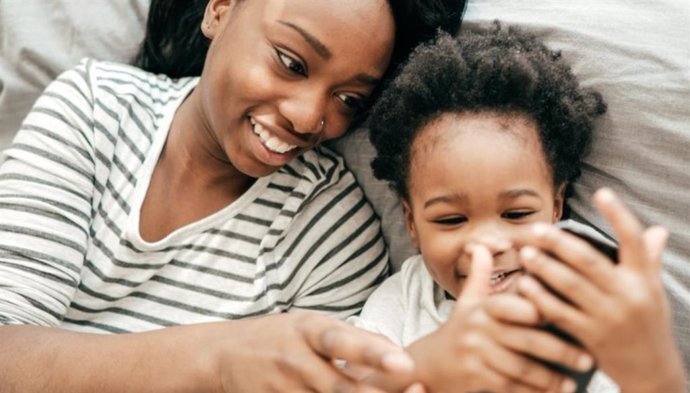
(619, 313)
(610, 249)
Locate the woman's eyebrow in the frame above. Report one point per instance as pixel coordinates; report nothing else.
(318, 46)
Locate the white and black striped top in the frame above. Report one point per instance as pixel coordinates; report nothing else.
(71, 188)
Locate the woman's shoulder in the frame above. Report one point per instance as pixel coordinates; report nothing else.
(125, 80)
(319, 164)
(316, 172)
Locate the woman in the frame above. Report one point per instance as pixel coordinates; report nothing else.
(176, 209)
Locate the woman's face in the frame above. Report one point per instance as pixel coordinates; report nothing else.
(284, 75)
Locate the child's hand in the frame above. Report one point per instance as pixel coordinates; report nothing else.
(618, 312)
(484, 344)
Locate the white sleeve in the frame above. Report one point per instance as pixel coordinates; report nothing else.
(384, 311)
(46, 187)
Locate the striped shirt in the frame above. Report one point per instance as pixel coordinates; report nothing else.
(71, 189)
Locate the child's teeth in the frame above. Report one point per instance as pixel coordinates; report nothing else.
(495, 279)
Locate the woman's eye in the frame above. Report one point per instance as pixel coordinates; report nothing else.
(353, 103)
(516, 215)
(291, 64)
(454, 220)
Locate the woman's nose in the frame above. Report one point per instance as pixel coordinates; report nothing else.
(305, 110)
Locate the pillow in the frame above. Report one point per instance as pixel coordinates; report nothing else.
(637, 54)
(40, 39)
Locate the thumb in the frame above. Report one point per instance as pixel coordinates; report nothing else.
(478, 282)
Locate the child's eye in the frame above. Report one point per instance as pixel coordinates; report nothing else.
(291, 64)
(353, 103)
(517, 214)
(453, 220)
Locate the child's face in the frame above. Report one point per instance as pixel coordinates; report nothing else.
(475, 178)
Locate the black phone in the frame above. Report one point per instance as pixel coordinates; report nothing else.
(599, 241)
(607, 247)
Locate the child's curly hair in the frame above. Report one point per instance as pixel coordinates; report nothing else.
(497, 69)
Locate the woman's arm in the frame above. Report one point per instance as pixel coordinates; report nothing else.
(283, 352)
(46, 186)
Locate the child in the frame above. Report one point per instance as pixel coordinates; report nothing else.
(478, 136)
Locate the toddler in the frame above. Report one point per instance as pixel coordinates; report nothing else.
(478, 136)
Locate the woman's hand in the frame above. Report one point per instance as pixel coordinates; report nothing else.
(297, 353)
(619, 312)
(487, 342)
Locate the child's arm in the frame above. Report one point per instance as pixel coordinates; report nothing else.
(619, 312)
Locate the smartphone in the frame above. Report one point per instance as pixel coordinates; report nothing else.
(610, 249)
(602, 243)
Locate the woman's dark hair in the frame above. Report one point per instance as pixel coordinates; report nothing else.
(175, 46)
(496, 69)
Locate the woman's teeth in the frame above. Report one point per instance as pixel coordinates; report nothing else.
(270, 141)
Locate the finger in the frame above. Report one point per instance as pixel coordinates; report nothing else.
(561, 278)
(571, 251)
(316, 374)
(389, 382)
(512, 309)
(334, 339)
(493, 380)
(521, 370)
(353, 371)
(552, 308)
(322, 376)
(541, 343)
(655, 239)
(478, 284)
(626, 226)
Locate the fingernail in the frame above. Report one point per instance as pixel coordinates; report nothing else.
(568, 386)
(585, 362)
(398, 362)
(540, 229)
(528, 253)
(605, 194)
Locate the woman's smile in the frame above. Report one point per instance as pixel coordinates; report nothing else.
(270, 141)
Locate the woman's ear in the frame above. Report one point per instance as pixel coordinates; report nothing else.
(409, 223)
(558, 201)
(214, 15)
